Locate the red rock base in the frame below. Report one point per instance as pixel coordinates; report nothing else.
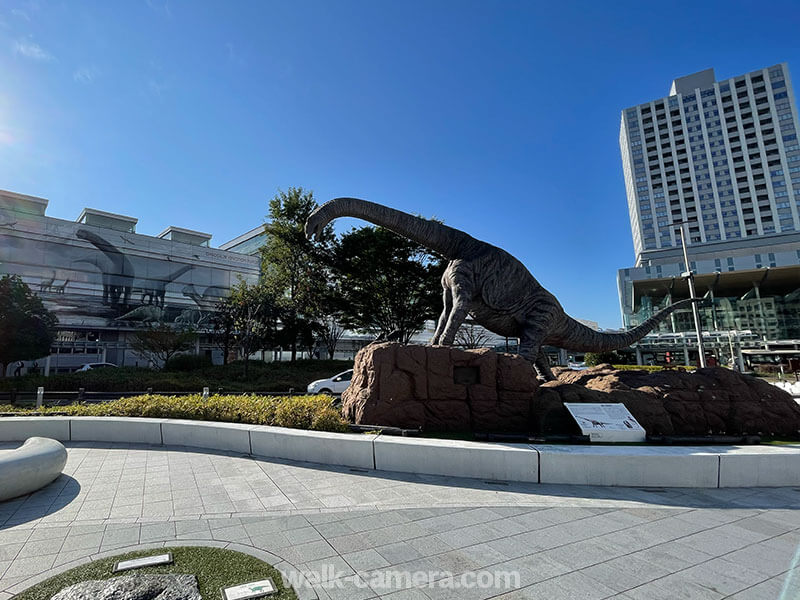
(444, 389)
(416, 386)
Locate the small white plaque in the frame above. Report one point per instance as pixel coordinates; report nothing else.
(606, 422)
(254, 589)
(145, 561)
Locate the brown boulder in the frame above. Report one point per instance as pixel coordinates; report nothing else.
(709, 401)
(439, 388)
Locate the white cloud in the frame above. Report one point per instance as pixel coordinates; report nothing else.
(86, 74)
(20, 13)
(33, 51)
(155, 88)
(161, 8)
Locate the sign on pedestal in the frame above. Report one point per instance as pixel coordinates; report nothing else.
(606, 422)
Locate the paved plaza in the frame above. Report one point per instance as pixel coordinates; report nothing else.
(358, 535)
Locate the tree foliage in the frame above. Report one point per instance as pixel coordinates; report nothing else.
(387, 283)
(27, 328)
(160, 342)
(248, 319)
(294, 266)
(471, 335)
(592, 359)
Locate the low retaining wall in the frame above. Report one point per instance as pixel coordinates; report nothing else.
(638, 466)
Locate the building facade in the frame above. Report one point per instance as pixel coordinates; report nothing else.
(723, 158)
(104, 281)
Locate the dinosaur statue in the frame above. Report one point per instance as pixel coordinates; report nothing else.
(491, 285)
(157, 289)
(121, 279)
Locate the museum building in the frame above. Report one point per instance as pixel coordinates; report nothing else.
(104, 281)
(722, 160)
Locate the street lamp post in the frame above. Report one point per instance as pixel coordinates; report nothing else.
(689, 274)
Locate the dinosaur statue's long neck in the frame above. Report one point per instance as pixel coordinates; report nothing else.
(577, 336)
(450, 243)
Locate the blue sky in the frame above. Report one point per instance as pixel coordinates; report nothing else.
(501, 118)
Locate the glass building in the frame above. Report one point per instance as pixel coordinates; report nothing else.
(104, 281)
(723, 158)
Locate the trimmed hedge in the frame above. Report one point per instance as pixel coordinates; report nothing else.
(297, 412)
(262, 377)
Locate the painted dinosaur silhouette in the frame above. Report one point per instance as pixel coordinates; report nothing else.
(117, 286)
(146, 314)
(208, 300)
(491, 285)
(156, 289)
(47, 284)
(59, 289)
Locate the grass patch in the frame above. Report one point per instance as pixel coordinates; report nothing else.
(262, 377)
(215, 568)
(298, 412)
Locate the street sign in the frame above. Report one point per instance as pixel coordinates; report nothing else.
(606, 422)
(145, 561)
(254, 589)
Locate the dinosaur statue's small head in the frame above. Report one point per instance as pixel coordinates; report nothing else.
(314, 226)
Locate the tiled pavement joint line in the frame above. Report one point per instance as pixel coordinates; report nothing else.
(715, 557)
(433, 556)
(648, 548)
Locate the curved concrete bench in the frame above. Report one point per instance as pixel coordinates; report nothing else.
(30, 467)
(636, 466)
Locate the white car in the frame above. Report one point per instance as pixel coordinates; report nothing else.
(92, 366)
(333, 385)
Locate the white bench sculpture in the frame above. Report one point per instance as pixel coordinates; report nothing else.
(30, 467)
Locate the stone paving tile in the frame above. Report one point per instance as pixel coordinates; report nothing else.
(630, 543)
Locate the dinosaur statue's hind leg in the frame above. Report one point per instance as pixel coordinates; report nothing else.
(542, 366)
(447, 301)
(530, 342)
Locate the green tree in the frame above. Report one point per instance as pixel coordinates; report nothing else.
(251, 312)
(27, 328)
(161, 341)
(592, 359)
(294, 266)
(387, 283)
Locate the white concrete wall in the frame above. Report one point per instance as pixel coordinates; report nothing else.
(638, 466)
(497, 462)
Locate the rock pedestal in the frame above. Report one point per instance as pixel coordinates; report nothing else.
(709, 401)
(445, 389)
(440, 389)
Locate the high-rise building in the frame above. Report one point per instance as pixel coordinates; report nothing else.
(723, 157)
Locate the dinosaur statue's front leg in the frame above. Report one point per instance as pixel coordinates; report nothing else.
(447, 302)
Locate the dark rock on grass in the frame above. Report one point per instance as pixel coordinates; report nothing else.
(134, 587)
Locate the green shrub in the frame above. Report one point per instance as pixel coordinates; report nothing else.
(187, 362)
(297, 412)
(262, 377)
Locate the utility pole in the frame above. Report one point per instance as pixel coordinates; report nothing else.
(689, 275)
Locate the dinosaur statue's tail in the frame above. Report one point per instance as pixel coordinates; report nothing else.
(577, 336)
(450, 243)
